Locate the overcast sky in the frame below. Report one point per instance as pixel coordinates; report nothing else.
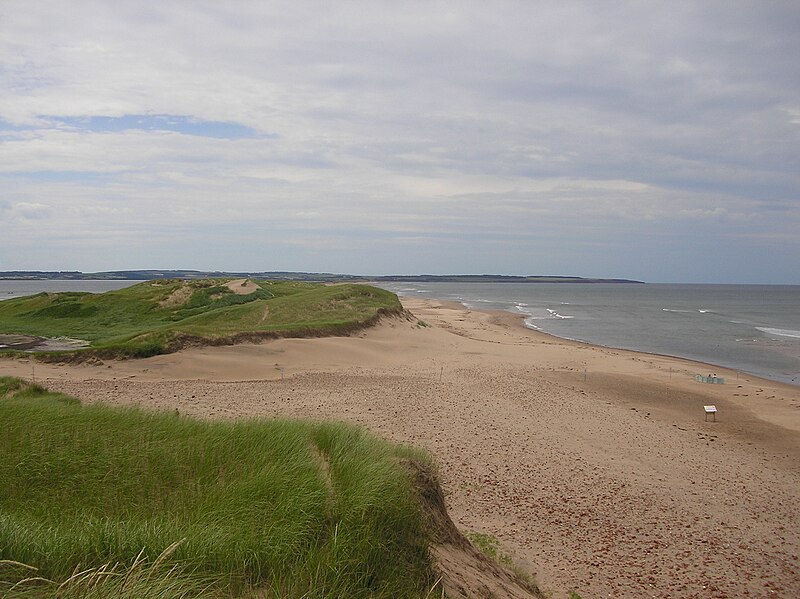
(657, 141)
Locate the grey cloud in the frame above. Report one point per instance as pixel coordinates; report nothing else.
(426, 121)
(30, 211)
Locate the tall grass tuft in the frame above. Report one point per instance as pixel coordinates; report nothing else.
(280, 508)
(156, 580)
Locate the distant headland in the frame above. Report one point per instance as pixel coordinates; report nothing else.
(144, 275)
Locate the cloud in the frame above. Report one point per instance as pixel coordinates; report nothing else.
(28, 211)
(403, 125)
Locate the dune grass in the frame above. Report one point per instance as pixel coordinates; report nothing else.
(157, 316)
(261, 508)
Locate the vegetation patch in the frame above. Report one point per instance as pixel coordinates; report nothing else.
(96, 499)
(490, 547)
(160, 316)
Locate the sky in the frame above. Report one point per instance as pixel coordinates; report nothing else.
(657, 141)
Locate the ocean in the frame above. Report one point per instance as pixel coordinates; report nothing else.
(11, 288)
(752, 328)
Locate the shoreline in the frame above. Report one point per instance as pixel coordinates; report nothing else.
(771, 358)
(518, 320)
(592, 466)
(712, 367)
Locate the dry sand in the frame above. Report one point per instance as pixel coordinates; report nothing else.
(594, 467)
(242, 286)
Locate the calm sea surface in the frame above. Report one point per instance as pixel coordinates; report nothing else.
(753, 328)
(9, 289)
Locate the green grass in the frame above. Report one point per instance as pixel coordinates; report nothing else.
(277, 508)
(142, 578)
(490, 547)
(160, 316)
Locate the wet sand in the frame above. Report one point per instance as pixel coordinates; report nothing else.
(594, 467)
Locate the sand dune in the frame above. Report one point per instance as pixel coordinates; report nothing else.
(594, 467)
(242, 286)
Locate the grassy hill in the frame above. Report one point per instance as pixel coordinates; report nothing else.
(93, 495)
(163, 315)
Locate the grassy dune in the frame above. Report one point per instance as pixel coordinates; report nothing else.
(257, 508)
(160, 316)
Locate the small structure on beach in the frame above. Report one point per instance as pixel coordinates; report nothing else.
(710, 410)
(712, 379)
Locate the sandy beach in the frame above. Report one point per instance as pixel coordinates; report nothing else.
(595, 468)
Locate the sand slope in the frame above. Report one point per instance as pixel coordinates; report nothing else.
(593, 466)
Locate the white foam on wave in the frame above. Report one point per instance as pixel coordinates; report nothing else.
(703, 311)
(555, 314)
(529, 323)
(671, 310)
(780, 332)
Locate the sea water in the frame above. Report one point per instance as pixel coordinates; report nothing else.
(752, 328)
(20, 288)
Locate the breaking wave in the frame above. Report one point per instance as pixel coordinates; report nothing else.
(780, 332)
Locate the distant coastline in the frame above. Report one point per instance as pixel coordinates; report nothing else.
(144, 275)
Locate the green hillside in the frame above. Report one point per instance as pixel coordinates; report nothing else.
(164, 315)
(93, 495)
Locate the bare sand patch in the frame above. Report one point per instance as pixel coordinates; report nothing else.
(178, 297)
(242, 286)
(594, 467)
